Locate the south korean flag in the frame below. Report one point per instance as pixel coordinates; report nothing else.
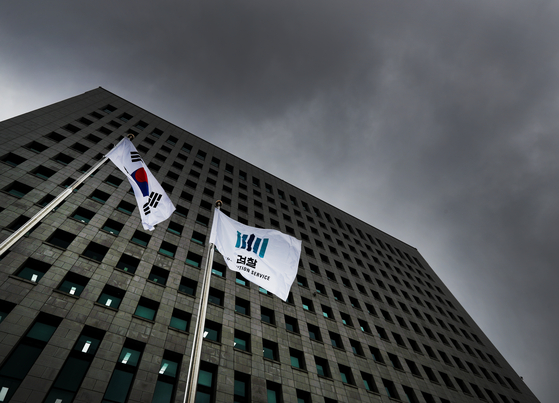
(154, 204)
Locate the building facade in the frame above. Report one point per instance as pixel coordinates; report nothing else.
(95, 309)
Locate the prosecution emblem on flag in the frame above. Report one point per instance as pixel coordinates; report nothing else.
(252, 243)
(265, 257)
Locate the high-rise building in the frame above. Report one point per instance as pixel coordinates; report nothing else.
(95, 309)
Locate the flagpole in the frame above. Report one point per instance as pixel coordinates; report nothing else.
(195, 356)
(16, 236)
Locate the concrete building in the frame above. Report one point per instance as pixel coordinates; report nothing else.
(95, 309)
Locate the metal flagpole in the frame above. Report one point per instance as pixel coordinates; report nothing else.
(194, 366)
(12, 239)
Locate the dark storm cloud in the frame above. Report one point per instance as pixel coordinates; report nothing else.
(434, 121)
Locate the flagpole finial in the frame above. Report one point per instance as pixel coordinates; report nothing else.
(130, 136)
(218, 203)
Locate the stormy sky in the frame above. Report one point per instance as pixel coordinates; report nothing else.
(435, 121)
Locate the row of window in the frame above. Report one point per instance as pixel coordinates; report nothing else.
(70, 377)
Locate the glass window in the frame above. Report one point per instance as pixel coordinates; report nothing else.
(180, 320)
(111, 297)
(146, 308)
(73, 284)
(33, 270)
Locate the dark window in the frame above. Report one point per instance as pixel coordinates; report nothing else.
(322, 367)
(193, 259)
(126, 207)
(188, 286)
(270, 350)
(356, 347)
(219, 269)
(346, 374)
(79, 147)
(61, 238)
(180, 320)
(95, 251)
(168, 249)
(166, 385)
(43, 172)
(216, 296)
(113, 226)
(239, 279)
(23, 357)
(128, 263)
(242, 306)
(267, 315)
(314, 332)
(377, 356)
(146, 308)
(73, 284)
(369, 382)
(111, 296)
(124, 372)
(297, 358)
(12, 159)
(113, 180)
(99, 196)
(390, 389)
(33, 270)
(336, 340)
(212, 331)
(241, 340)
(202, 220)
(36, 147)
(140, 238)
(307, 304)
(83, 215)
(17, 189)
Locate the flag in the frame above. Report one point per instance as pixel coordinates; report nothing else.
(154, 204)
(266, 257)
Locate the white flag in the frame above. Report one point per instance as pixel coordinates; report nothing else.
(265, 257)
(154, 204)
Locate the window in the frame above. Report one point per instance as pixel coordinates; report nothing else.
(320, 289)
(113, 227)
(43, 172)
(369, 382)
(241, 388)
(242, 306)
(140, 238)
(73, 371)
(377, 356)
(95, 251)
(12, 159)
(63, 158)
(83, 215)
(297, 358)
(193, 259)
(99, 196)
(356, 347)
(113, 181)
(168, 249)
(198, 238)
(390, 389)
(267, 315)
(79, 147)
(202, 220)
(219, 269)
(212, 331)
(307, 304)
(336, 340)
(273, 392)
(17, 189)
(322, 367)
(180, 320)
(126, 207)
(158, 275)
(124, 372)
(327, 312)
(314, 332)
(241, 340)
(216, 296)
(346, 319)
(166, 385)
(61, 238)
(111, 297)
(430, 374)
(302, 281)
(395, 361)
(346, 374)
(33, 270)
(36, 147)
(413, 368)
(5, 308)
(354, 303)
(188, 286)
(181, 211)
(291, 324)
(73, 284)
(16, 367)
(381, 333)
(270, 350)
(239, 279)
